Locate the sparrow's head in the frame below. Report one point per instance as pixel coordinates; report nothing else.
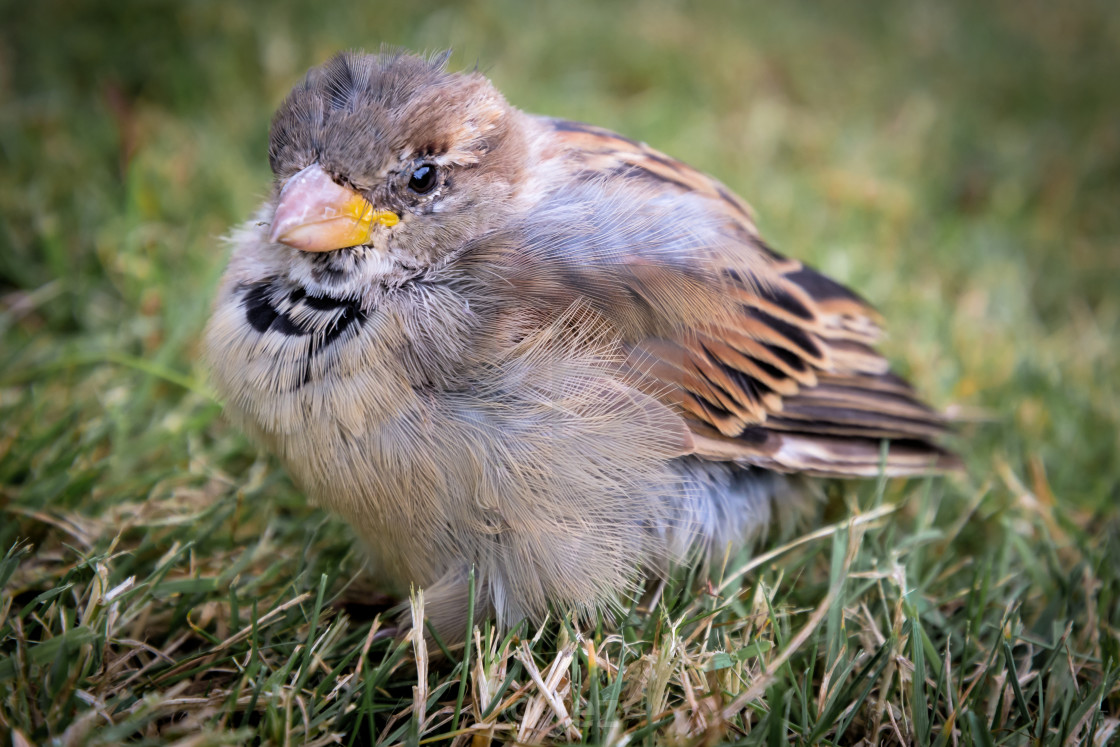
(386, 163)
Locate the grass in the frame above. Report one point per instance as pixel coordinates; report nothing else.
(163, 582)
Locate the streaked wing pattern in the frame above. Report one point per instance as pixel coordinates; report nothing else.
(792, 381)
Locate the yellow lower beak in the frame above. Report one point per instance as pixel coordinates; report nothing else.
(315, 214)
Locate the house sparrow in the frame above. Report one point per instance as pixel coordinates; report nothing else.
(533, 347)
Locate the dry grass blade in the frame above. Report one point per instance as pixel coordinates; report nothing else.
(420, 653)
(551, 689)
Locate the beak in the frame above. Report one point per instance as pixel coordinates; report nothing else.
(317, 215)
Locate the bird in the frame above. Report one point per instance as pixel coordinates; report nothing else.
(530, 362)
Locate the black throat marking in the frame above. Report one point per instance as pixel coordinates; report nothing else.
(269, 309)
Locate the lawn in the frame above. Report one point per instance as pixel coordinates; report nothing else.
(162, 581)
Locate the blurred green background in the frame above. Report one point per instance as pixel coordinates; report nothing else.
(958, 163)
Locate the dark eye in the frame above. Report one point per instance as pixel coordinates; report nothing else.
(423, 179)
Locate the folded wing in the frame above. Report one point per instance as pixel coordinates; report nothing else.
(770, 362)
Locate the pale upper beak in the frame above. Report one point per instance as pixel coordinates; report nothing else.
(317, 215)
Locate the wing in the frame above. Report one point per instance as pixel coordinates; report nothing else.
(770, 362)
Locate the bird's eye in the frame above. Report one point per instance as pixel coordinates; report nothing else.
(423, 179)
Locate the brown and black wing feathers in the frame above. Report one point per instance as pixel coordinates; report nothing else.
(789, 379)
